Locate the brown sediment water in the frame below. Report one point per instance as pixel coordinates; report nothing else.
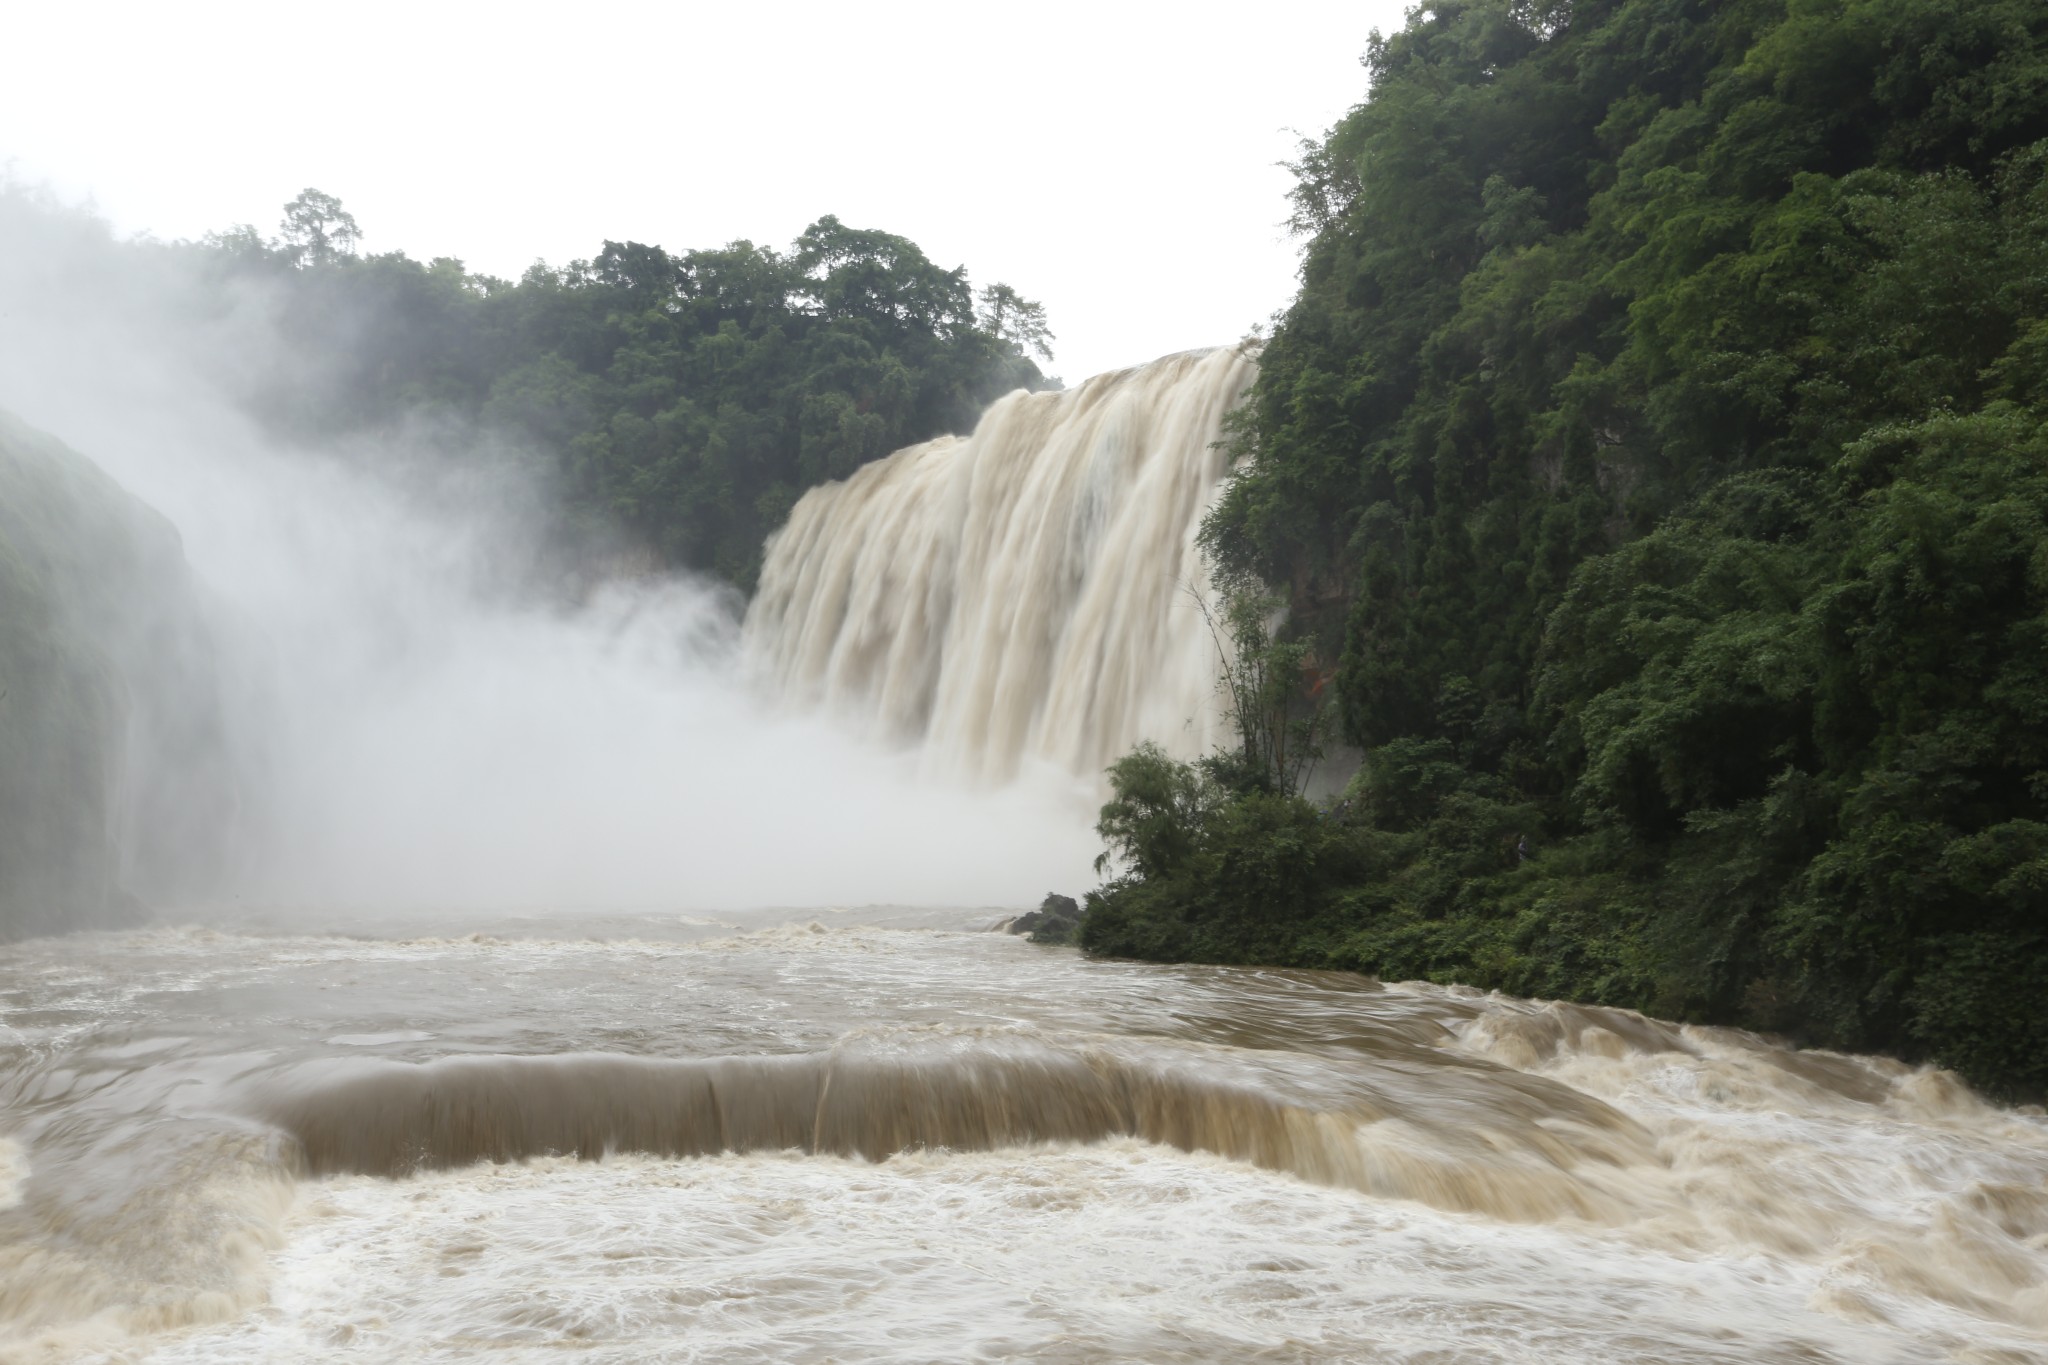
(883, 1134)
(1032, 592)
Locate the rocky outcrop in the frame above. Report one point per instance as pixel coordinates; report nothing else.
(114, 778)
(1056, 920)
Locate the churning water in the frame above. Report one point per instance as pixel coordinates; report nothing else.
(894, 1135)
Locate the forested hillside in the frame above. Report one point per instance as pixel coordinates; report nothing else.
(1657, 444)
(673, 404)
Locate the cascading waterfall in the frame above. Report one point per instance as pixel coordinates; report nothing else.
(1026, 593)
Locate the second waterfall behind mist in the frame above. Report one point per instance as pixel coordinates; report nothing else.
(1026, 594)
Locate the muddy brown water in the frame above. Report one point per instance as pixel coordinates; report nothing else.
(884, 1134)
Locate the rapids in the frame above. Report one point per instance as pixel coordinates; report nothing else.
(893, 1135)
(1026, 593)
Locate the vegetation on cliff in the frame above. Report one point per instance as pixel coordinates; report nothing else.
(673, 405)
(1659, 434)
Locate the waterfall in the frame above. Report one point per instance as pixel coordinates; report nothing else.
(1023, 594)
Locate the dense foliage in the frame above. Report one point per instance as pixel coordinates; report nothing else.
(676, 404)
(1659, 427)
(688, 399)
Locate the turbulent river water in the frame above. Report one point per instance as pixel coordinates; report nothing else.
(895, 1135)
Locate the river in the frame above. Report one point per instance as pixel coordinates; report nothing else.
(890, 1134)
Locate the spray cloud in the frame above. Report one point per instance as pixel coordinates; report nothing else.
(408, 729)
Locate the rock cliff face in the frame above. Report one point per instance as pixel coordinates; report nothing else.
(114, 776)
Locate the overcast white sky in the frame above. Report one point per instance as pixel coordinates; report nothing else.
(1115, 161)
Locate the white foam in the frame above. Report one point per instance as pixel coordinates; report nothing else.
(1121, 1251)
(13, 1172)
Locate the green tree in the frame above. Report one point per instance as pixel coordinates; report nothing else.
(317, 229)
(1268, 692)
(1016, 321)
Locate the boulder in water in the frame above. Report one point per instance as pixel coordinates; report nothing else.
(1056, 920)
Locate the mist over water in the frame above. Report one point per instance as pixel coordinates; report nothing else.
(414, 725)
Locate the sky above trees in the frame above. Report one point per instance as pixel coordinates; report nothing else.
(1119, 162)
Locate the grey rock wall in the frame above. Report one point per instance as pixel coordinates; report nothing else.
(115, 785)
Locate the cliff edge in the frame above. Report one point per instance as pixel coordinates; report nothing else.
(114, 779)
